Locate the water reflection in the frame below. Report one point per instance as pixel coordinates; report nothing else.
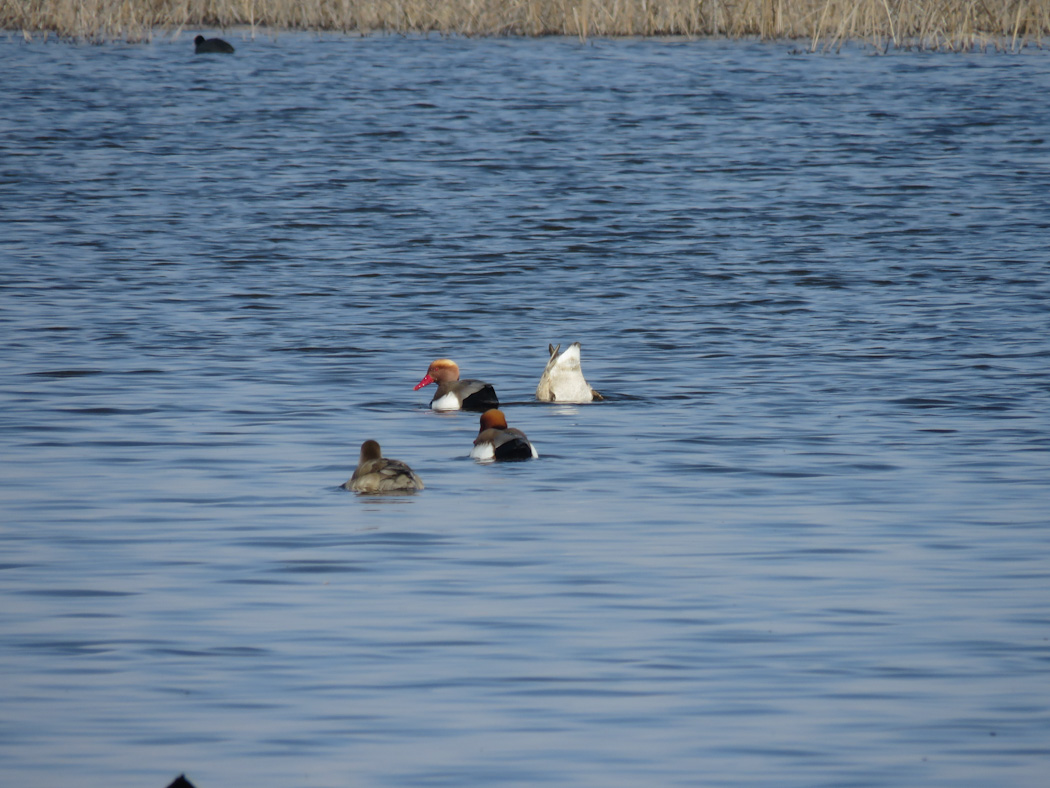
(807, 524)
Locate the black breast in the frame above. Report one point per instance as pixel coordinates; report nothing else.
(483, 399)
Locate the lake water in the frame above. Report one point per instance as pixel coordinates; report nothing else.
(804, 541)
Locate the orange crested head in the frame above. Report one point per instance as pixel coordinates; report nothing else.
(493, 419)
(439, 371)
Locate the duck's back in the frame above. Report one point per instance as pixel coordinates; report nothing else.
(383, 475)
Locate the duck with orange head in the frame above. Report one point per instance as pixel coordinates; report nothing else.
(497, 441)
(455, 394)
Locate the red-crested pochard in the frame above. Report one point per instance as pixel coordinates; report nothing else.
(376, 474)
(455, 394)
(497, 441)
(562, 380)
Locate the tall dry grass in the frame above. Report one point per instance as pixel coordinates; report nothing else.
(929, 24)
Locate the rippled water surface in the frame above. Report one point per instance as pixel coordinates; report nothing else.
(803, 541)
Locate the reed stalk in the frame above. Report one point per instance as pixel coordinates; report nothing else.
(930, 24)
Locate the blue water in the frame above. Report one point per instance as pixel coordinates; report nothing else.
(803, 542)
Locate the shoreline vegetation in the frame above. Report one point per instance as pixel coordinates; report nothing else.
(945, 25)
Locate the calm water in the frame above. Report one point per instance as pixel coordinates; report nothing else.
(804, 542)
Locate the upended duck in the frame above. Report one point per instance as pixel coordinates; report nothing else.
(376, 474)
(455, 394)
(209, 46)
(497, 441)
(562, 380)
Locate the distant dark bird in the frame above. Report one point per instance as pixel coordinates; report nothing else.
(205, 46)
(181, 782)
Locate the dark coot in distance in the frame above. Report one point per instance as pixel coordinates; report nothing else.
(206, 46)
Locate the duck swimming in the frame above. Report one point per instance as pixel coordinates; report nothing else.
(562, 380)
(206, 46)
(376, 474)
(497, 441)
(455, 394)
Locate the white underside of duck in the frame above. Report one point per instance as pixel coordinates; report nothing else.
(563, 380)
(448, 402)
(486, 452)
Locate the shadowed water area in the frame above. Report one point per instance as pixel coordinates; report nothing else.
(803, 542)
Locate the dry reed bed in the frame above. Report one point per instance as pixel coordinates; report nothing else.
(928, 24)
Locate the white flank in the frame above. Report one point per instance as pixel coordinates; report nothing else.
(449, 402)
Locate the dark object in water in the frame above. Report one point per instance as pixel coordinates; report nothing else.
(206, 46)
(181, 782)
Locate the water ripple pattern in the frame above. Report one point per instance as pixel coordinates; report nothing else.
(802, 542)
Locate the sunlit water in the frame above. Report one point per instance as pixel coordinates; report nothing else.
(803, 542)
